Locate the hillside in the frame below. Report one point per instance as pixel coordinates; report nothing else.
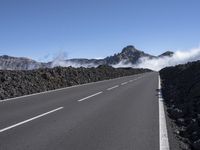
(181, 91)
(19, 63)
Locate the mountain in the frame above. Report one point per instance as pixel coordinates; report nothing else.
(167, 53)
(19, 63)
(128, 55)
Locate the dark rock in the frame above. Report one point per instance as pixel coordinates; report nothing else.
(181, 92)
(177, 113)
(181, 122)
(196, 145)
(18, 83)
(193, 126)
(167, 53)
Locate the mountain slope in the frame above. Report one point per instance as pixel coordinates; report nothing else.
(167, 53)
(129, 54)
(19, 63)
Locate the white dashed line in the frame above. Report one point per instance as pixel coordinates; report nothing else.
(65, 88)
(31, 119)
(164, 142)
(90, 96)
(116, 86)
(124, 83)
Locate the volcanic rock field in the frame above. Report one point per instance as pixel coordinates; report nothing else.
(17, 83)
(181, 92)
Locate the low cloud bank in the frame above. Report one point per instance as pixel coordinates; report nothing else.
(179, 57)
(68, 63)
(61, 60)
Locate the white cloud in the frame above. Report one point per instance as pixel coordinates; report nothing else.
(179, 57)
(122, 64)
(60, 60)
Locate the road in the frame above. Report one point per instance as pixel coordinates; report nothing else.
(119, 114)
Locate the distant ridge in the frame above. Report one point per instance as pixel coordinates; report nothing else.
(129, 54)
(167, 53)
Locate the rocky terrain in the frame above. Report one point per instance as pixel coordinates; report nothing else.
(19, 63)
(128, 55)
(15, 83)
(167, 53)
(181, 92)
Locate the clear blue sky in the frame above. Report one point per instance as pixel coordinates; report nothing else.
(96, 28)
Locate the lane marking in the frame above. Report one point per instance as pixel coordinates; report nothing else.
(116, 86)
(131, 81)
(124, 83)
(164, 141)
(90, 96)
(60, 89)
(31, 119)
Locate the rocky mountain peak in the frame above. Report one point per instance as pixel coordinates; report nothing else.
(128, 55)
(167, 53)
(129, 49)
(5, 57)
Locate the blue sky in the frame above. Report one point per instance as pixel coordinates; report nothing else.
(40, 29)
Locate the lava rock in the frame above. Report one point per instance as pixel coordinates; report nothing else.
(196, 145)
(181, 93)
(15, 83)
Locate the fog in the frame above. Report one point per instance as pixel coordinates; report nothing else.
(61, 60)
(179, 57)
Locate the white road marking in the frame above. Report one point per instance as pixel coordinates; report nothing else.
(90, 96)
(131, 81)
(116, 86)
(31, 119)
(60, 89)
(124, 83)
(164, 142)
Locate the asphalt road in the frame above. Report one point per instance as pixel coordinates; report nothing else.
(119, 114)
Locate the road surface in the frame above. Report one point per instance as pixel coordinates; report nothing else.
(119, 114)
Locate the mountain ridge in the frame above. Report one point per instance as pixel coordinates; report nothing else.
(128, 54)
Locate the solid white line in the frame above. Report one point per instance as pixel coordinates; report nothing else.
(31, 119)
(90, 96)
(164, 142)
(131, 81)
(116, 86)
(124, 83)
(79, 85)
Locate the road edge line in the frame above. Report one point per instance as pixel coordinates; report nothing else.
(163, 135)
